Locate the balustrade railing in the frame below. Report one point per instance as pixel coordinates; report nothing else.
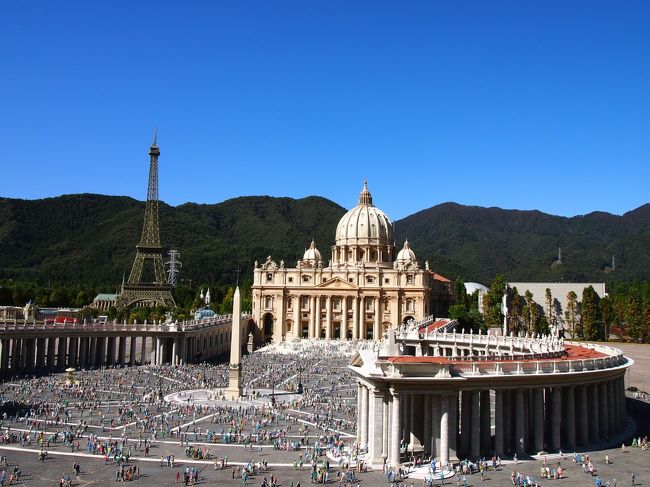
(186, 325)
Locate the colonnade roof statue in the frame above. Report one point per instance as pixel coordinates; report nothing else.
(464, 395)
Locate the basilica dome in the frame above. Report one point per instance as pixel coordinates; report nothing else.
(312, 254)
(364, 224)
(406, 255)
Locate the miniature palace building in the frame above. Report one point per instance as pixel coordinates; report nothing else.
(366, 287)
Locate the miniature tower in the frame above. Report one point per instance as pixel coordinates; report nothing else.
(148, 251)
(234, 372)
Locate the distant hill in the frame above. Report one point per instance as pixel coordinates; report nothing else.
(91, 238)
(477, 243)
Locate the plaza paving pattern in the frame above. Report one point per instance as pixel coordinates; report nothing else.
(124, 403)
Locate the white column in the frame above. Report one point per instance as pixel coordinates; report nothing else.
(486, 430)
(475, 442)
(519, 421)
(344, 318)
(396, 431)
(364, 416)
(426, 418)
(556, 409)
(435, 426)
(132, 350)
(498, 422)
(355, 318)
(453, 424)
(538, 419)
(328, 317)
(603, 409)
(385, 430)
(376, 332)
(362, 321)
(569, 416)
(318, 325)
(359, 396)
(297, 325)
(594, 422)
(377, 426)
(583, 415)
(143, 350)
(444, 429)
(312, 317)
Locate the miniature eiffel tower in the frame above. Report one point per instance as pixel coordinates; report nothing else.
(134, 291)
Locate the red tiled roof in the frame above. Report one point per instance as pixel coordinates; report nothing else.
(573, 352)
(434, 326)
(438, 277)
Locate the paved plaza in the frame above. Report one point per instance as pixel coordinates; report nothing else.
(113, 421)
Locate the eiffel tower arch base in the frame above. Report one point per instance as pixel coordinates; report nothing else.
(145, 296)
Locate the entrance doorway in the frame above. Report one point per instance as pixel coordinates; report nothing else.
(268, 327)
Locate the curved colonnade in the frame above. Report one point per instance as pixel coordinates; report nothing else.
(457, 396)
(32, 348)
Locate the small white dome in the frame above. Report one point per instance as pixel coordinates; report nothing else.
(364, 224)
(312, 254)
(406, 254)
(472, 287)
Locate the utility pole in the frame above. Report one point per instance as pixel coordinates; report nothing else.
(174, 267)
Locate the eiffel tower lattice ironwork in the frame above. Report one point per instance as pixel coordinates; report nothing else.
(134, 291)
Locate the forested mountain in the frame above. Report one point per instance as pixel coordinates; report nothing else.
(91, 238)
(477, 243)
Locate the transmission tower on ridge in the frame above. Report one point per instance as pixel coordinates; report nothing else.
(158, 292)
(174, 267)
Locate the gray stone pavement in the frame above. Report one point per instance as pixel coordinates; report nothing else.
(94, 472)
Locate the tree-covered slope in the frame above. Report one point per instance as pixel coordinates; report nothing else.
(478, 243)
(91, 239)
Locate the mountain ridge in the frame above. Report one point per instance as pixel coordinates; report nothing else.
(91, 238)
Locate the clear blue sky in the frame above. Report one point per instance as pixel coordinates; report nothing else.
(516, 104)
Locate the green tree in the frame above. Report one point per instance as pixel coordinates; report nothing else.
(493, 314)
(634, 315)
(550, 311)
(607, 314)
(572, 314)
(82, 299)
(514, 317)
(590, 311)
(226, 304)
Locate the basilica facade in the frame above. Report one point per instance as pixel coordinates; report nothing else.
(366, 287)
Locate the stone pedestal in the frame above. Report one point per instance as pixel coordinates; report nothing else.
(234, 391)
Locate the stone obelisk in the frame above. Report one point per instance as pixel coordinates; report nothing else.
(234, 373)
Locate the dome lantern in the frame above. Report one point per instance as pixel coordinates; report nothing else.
(365, 198)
